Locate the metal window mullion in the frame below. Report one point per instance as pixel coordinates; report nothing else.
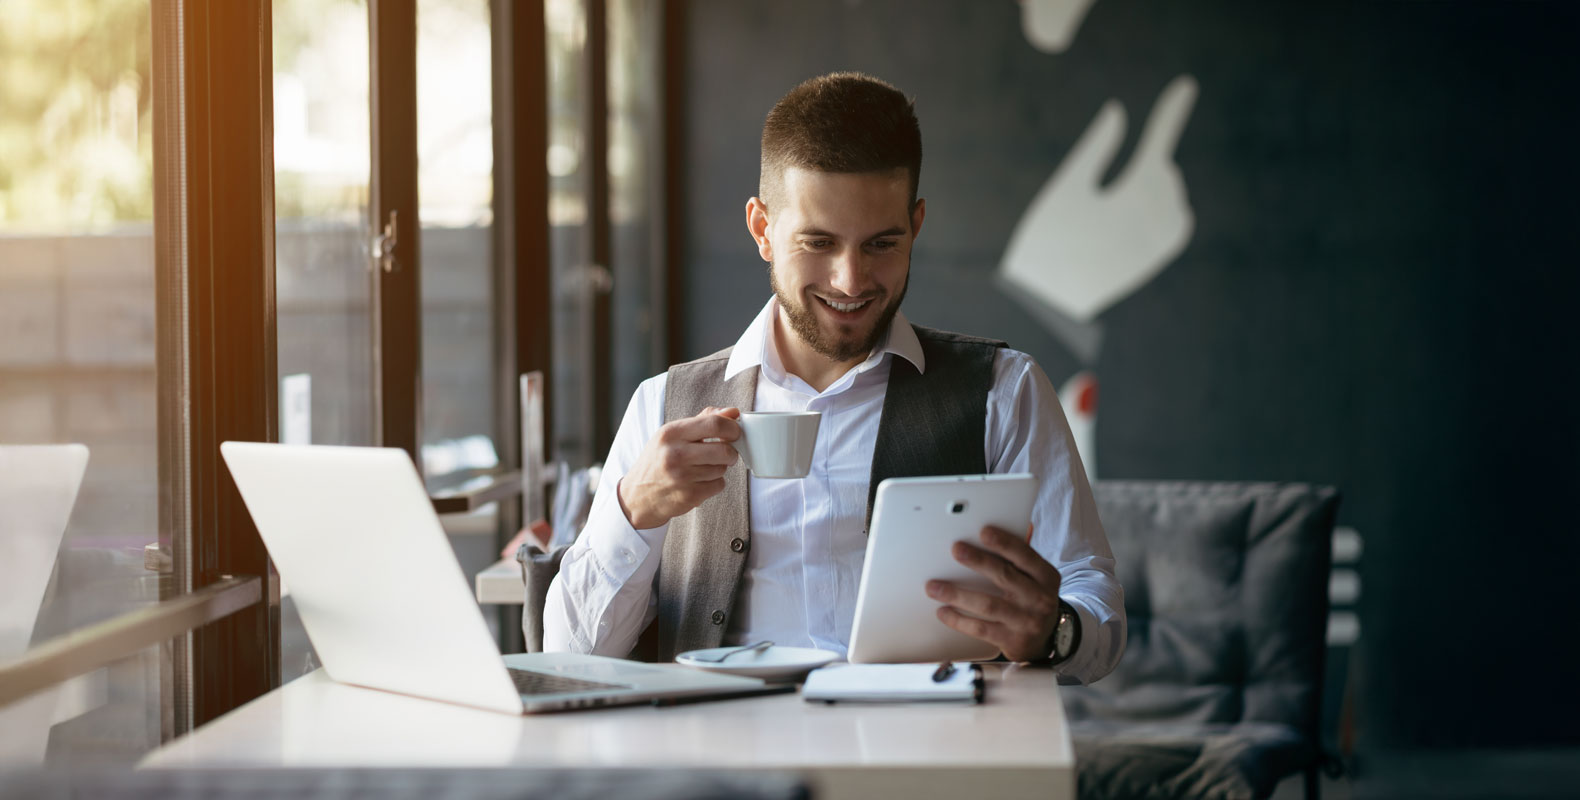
(397, 300)
(214, 240)
(501, 266)
(169, 115)
(523, 317)
(599, 247)
(521, 202)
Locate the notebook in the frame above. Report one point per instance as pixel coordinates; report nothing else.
(894, 683)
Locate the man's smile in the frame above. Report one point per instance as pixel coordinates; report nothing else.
(846, 309)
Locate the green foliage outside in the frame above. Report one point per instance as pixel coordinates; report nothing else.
(76, 110)
(76, 145)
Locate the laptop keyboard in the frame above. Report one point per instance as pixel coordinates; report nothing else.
(541, 683)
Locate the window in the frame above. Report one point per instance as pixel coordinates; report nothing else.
(636, 140)
(460, 335)
(323, 279)
(455, 162)
(78, 363)
(577, 277)
(210, 230)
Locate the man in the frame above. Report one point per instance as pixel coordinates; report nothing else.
(682, 545)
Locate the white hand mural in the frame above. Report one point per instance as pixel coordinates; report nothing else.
(1050, 25)
(1081, 247)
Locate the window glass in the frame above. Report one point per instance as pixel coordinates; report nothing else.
(455, 172)
(636, 158)
(77, 367)
(455, 187)
(323, 275)
(573, 276)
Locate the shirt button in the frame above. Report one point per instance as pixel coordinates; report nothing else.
(626, 554)
(718, 618)
(737, 545)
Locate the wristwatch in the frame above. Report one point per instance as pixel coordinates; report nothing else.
(1066, 636)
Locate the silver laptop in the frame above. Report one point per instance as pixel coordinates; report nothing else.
(384, 600)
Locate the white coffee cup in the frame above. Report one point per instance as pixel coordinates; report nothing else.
(778, 444)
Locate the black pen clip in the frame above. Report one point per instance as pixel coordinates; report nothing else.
(943, 672)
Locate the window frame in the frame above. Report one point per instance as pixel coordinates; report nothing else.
(216, 305)
(214, 267)
(393, 201)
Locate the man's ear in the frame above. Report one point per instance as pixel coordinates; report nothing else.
(917, 214)
(757, 226)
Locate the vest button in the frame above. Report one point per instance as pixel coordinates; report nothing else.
(718, 618)
(737, 545)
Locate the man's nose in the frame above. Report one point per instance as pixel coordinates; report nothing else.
(851, 275)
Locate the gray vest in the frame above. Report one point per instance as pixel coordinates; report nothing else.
(933, 424)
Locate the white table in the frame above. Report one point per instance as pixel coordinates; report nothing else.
(1017, 744)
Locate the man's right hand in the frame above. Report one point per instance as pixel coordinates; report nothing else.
(681, 466)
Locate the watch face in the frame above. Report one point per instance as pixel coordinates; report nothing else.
(1064, 635)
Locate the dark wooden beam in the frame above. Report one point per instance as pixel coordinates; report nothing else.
(214, 244)
(397, 297)
(599, 246)
(521, 208)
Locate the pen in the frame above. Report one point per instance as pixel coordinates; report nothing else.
(943, 672)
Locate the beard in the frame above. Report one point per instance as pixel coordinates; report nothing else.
(844, 343)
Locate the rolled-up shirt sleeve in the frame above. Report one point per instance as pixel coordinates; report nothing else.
(602, 599)
(1027, 432)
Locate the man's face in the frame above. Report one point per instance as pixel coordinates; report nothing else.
(839, 253)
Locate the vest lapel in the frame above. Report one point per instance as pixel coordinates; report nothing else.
(705, 550)
(934, 424)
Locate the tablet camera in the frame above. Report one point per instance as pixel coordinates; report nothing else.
(957, 507)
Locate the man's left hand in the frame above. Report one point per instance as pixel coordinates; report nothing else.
(1020, 621)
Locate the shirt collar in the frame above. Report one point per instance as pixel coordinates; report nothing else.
(754, 346)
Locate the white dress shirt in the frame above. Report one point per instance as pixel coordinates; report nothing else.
(804, 565)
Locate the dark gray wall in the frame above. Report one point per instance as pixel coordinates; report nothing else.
(1376, 295)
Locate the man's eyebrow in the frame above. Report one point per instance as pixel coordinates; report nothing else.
(895, 231)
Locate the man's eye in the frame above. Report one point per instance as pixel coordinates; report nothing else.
(818, 244)
(885, 245)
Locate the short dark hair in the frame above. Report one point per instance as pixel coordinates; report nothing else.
(844, 122)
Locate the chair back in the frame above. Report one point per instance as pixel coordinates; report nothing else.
(1226, 596)
(537, 572)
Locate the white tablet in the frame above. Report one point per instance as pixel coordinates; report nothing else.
(915, 521)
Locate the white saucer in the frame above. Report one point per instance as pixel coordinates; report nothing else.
(772, 664)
